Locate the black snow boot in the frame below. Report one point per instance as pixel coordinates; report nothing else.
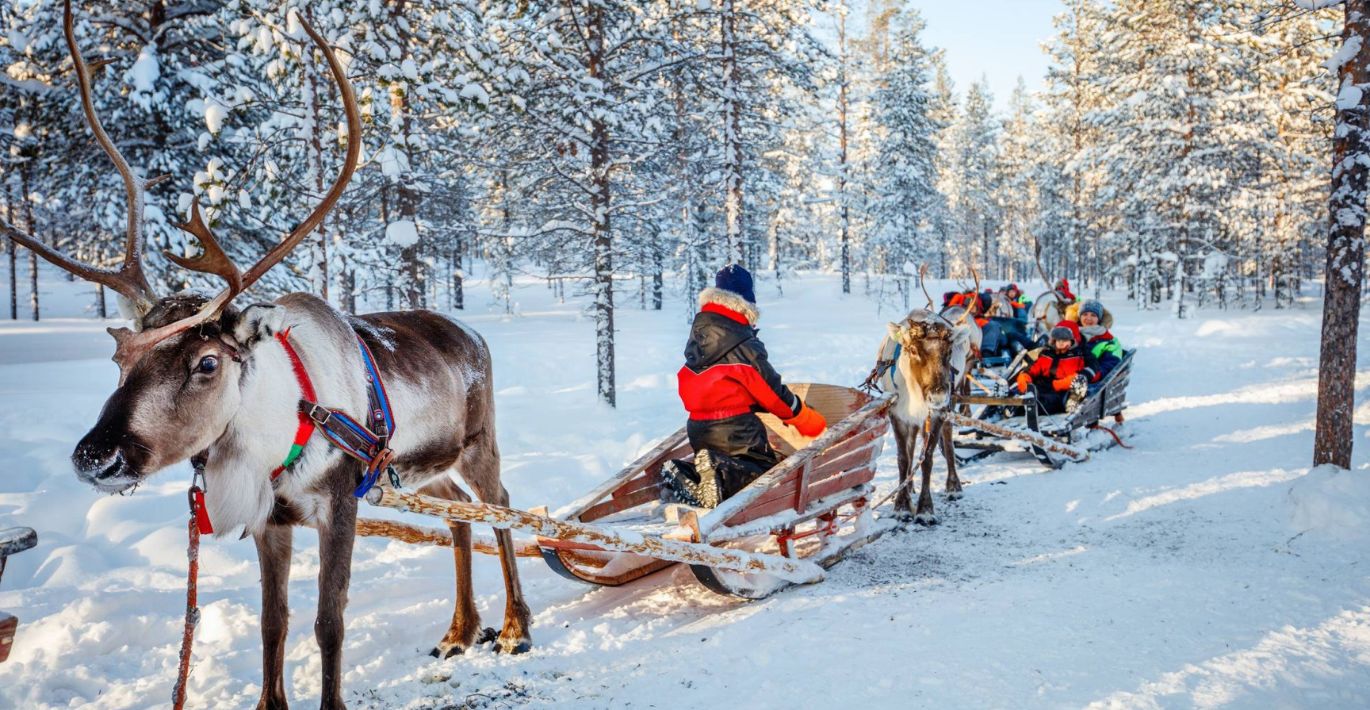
(707, 489)
(1079, 389)
(678, 479)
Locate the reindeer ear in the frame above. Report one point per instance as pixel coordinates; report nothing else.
(896, 331)
(256, 323)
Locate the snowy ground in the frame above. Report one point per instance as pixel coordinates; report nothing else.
(1207, 567)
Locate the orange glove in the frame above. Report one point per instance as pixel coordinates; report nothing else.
(808, 421)
(1024, 379)
(1061, 384)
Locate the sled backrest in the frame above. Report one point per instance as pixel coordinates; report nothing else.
(833, 402)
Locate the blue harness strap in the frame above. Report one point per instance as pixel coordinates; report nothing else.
(368, 444)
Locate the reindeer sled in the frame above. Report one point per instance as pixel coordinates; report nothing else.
(784, 528)
(990, 422)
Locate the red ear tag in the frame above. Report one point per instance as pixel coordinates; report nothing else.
(202, 515)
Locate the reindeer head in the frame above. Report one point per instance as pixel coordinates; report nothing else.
(927, 346)
(176, 399)
(180, 371)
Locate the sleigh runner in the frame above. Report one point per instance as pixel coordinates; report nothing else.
(784, 528)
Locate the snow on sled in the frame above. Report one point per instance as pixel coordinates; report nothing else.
(812, 507)
(1053, 439)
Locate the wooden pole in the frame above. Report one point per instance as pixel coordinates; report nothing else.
(596, 537)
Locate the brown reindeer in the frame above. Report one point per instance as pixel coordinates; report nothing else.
(929, 356)
(202, 378)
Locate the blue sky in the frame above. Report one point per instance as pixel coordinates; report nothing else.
(999, 39)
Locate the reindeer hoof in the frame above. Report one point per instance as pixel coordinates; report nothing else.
(925, 519)
(954, 495)
(514, 646)
(903, 516)
(439, 653)
(488, 635)
(447, 649)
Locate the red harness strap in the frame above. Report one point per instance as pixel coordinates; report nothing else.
(306, 428)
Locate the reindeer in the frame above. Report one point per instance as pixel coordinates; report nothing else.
(202, 379)
(926, 356)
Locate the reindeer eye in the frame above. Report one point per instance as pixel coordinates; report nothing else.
(208, 365)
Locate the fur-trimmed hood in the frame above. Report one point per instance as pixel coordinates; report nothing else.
(731, 301)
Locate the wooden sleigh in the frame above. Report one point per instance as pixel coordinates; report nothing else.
(792, 510)
(1053, 439)
(784, 528)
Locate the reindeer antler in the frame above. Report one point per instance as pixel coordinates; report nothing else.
(128, 280)
(1037, 257)
(212, 260)
(923, 283)
(966, 315)
(132, 346)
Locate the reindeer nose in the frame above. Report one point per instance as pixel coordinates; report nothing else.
(92, 458)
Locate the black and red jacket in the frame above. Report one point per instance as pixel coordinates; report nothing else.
(726, 371)
(1058, 369)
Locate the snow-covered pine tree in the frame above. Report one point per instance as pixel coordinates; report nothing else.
(1016, 196)
(904, 191)
(759, 44)
(972, 165)
(1069, 177)
(945, 111)
(592, 68)
(156, 68)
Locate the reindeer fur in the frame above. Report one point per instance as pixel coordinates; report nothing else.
(935, 356)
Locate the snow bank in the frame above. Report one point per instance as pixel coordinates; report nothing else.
(1332, 502)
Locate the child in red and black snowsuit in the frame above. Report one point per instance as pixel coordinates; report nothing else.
(1061, 375)
(726, 379)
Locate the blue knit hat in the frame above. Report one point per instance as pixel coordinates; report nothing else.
(1092, 306)
(736, 279)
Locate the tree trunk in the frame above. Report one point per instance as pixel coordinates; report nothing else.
(1345, 249)
(412, 273)
(842, 147)
(732, 126)
(28, 224)
(603, 286)
(319, 274)
(13, 249)
(658, 280)
(458, 296)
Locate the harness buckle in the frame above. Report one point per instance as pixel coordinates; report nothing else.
(313, 414)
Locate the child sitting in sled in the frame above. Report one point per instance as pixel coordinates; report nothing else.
(1060, 376)
(726, 379)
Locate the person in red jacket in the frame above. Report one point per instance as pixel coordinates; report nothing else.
(1060, 376)
(727, 378)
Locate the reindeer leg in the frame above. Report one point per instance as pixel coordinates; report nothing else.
(479, 465)
(925, 514)
(953, 486)
(464, 631)
(905, 442)
(336, 535)
(273, 557)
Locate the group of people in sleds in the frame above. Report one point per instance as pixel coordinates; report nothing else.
(727, 377)
(1061, 368)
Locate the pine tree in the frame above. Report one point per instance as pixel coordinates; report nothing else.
(906, 198)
